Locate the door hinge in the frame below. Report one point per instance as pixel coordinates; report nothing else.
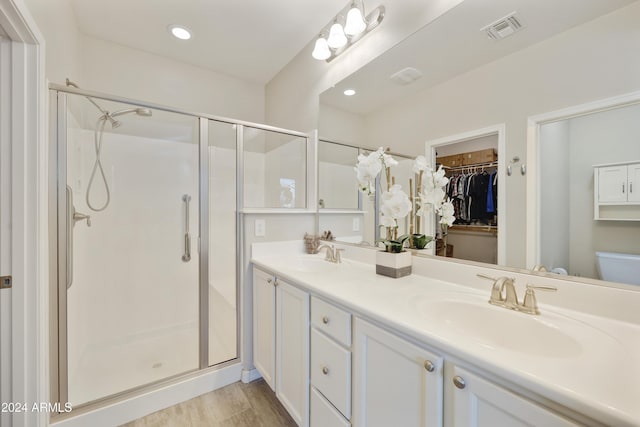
(5, 282)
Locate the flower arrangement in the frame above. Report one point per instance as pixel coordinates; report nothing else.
(431, 196)
(396, 204)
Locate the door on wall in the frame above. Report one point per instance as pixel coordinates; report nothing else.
(128, 221)
(5, 227)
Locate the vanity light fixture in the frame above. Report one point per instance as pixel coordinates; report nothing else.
(349, 92)
(179, 32)
(335, 37)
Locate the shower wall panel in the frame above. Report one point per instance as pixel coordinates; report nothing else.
(132, 308)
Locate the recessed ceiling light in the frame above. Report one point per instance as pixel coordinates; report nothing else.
(349, 92)
(180, 32)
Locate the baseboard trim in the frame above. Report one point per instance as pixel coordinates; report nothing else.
(249, 375)
(138, 406)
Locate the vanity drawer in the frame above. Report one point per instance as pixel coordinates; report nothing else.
(331, 320)
(323, 414)
(331, 371)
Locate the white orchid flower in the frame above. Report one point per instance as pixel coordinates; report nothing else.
(367, 170)
(446, 212)
(439, 180)
(395, 203)
(388, 160)
(420, 164)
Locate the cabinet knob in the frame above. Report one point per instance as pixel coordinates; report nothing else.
(325, 320)
(325, 370)
(429, 366)
(269, 280)
(275, 282)
(459, 382)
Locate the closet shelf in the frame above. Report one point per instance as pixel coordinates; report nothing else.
(491, 229)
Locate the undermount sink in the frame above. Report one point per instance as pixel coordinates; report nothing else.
(547, 335)
(309, 264)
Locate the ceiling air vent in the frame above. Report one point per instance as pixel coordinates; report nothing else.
(406, 76)
(504, 27)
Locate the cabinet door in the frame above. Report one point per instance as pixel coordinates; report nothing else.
(292, 351)
(264, 325)
(633, 178)
(396, 383)
(612, 184)
(481, 403)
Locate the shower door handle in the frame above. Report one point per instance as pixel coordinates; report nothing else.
(71, 210)
(186, 257)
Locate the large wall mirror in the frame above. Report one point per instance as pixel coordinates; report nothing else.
(450, 78)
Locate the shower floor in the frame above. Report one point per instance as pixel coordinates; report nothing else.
(106, 370)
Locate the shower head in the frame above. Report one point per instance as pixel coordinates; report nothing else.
(145, 112)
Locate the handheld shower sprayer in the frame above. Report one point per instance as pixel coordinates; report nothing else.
(97, 143)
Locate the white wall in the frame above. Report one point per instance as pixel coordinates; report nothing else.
(338, 125)
(593, 61)
(63, 40)
(118, 70)
(555, 206)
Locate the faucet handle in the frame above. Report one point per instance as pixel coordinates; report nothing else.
(530, 303)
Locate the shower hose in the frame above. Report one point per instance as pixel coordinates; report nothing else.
(97, 165)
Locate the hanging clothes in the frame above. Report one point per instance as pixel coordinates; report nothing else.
(490, 202)
(474, 196)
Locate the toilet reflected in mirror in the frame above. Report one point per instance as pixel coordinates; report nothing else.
(617, 267)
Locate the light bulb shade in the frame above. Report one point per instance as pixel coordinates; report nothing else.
(321, 50)
(355, 22)
(336, 38)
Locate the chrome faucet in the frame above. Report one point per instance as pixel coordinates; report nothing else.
(332, 254)
(503, 294)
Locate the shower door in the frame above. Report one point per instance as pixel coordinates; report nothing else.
(128, 209)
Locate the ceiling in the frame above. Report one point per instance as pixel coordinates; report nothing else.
(249, 39)
(453, 44)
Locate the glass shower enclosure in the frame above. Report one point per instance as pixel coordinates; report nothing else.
(146, 208)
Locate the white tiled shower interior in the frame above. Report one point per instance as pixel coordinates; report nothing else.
(133, 305)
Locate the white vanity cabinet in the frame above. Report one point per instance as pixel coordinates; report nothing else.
(330, 365)
(396, 383)
(281, 341)
(473, 401)
(333, 367)
(264, 325)
(617, 191)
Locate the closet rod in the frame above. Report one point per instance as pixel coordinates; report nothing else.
(475, 165)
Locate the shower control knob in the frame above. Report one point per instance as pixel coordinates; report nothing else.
(77, 216)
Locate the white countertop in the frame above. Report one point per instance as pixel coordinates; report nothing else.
(597, 374)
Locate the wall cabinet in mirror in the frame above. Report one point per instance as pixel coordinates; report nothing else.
(617, 192)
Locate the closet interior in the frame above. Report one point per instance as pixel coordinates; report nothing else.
(472, 169)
